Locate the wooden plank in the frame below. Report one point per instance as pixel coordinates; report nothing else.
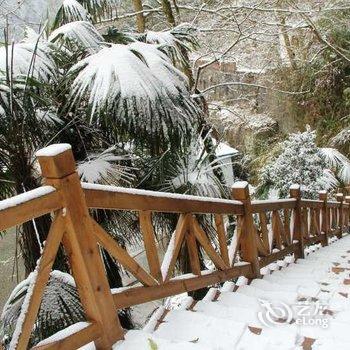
(204, 241)
(44, 267)
(149, 239)
(311, 203)
(29, 210)
(261, 247)
(193, 253)
(182, 228)
(276, 229)
(139, 295)
(279, 255)
(259, 206)
(312, 222)
(220, 227)
(120, 199)
(264, 231)
(286, 225)
(305, 222)
(75, 340)
(315, 239)
(121, 255)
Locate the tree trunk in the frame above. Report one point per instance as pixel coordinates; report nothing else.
(140, 19)
(168, 12)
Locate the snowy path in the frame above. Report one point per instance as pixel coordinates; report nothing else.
(297, 300)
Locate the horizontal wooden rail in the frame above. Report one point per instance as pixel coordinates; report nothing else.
(268, 205)
(119, 198)
(291, 249)
(311, 203)
(139, 295)
(315, 239)
(27, 206)
(333, 204)
(74, 340)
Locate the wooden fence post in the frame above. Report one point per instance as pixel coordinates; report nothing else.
(298, 233)
(58, 168)
(340, 198)
(322, 195)
(248, 240)
(347, 213)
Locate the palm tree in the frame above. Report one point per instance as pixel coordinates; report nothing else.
(118, 103)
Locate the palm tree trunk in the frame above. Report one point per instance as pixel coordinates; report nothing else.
(168, 12)
(140, 19)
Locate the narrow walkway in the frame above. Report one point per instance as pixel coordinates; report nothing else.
(297, 305)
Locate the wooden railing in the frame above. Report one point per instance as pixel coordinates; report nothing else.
(266, 231)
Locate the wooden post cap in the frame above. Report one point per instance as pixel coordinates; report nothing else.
(347, 199)
(240, 190)
(56, 161)
(322, 195)
(339, 197)
(294, 191)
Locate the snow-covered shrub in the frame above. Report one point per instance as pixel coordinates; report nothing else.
(302, 162)
(60, 307)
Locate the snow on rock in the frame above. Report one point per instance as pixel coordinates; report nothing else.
(26, 197)
(53, 150)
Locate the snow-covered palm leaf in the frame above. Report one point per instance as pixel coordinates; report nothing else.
(70, 11)
(192, 173)
(337, 161)
(106, 168)
(161, 66)
(328, 181)
(80, 34)
(99, 8)
(118, 79)
(342, 138)
(60, 307)
(177, 42)
(117, 36)
(29, 58)
(47, 117)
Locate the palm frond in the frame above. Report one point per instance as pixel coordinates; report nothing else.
(106, 168)
(192, 173)
(341, 138)
(70, 11)
(118, 79)
(177, 42)
(338, 161)
(32, 58)
(80, 34)
(99, 8)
